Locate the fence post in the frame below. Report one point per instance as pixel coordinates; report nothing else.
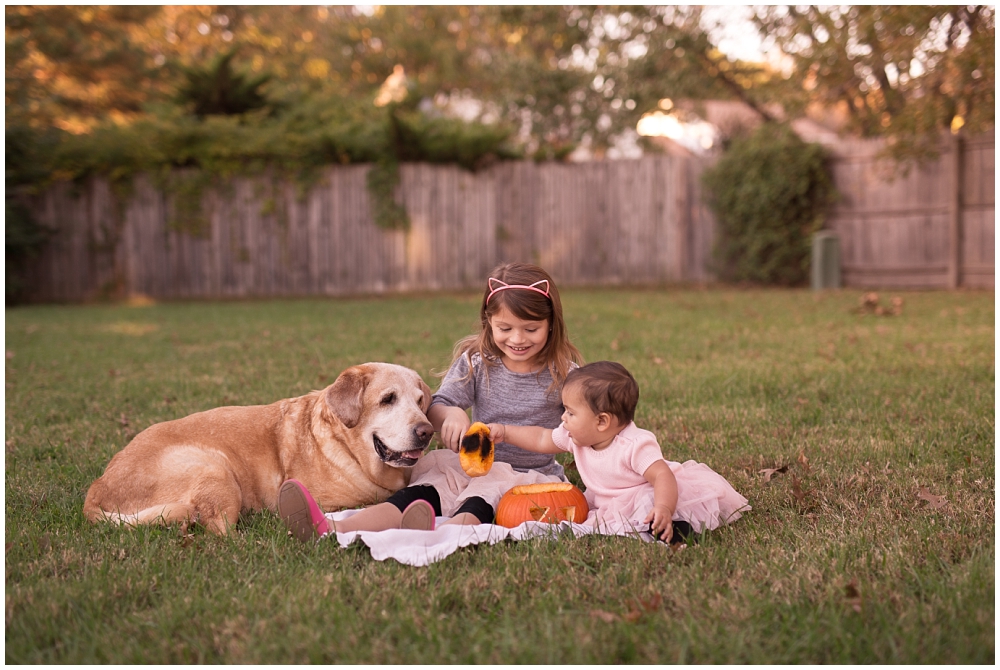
(825, 261)
(682, 214)
(955, 214)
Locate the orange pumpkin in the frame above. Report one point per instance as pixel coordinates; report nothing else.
(549, 502)
(475, 452)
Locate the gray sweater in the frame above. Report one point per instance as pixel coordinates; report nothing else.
(513, 398)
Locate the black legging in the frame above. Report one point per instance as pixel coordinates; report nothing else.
(683, 532)
(475, 505)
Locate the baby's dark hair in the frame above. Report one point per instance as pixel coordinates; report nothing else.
(607, 387)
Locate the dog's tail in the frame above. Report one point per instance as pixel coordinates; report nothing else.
(96, 509)
(92, 503)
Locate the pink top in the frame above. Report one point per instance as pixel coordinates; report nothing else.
(617, 470)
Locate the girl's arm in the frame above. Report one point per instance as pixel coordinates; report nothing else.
(451, 423)
(664, 484)
(531, 438)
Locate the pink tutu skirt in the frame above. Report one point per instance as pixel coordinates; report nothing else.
(704, 499)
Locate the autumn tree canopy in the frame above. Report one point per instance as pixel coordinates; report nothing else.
(556, 75)
(905, 72)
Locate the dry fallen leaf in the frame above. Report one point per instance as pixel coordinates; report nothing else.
(869, 304)
(652, 604)
(640, 606)
(934, 502)
(769, 472)
(797, 491)
(606, 617)
(852, 596)
(803, 461)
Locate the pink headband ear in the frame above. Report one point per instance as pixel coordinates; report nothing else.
(495, 286)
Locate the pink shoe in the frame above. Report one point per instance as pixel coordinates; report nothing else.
(300, 512)
(418, 515)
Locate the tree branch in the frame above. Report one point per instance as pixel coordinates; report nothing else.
(709, 65)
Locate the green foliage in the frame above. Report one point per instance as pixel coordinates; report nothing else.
(218, 89)
(417, 137)
(23, 237)
(562, 74)
(65, 64)
(25, 164)
(28, 156)
(907, 73)
(312, 133)
(382, 181)
(188, 188)
(769, 192)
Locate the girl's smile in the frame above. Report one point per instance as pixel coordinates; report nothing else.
(520, 342)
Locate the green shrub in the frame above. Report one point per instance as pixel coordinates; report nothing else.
(27, 166)
(294, 144)
(438, 140)
(218, 88)
(23, 237)
(769, 192)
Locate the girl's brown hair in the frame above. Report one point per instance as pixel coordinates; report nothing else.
(558, 354)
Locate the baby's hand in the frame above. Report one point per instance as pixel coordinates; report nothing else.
(660, 519)
(496, 431)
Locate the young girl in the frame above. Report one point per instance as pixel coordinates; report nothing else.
(629, 484)
(510, 372)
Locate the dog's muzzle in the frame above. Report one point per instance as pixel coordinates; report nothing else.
(397, 458)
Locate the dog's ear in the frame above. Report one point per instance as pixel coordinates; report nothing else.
(344, 396)
(425, 402)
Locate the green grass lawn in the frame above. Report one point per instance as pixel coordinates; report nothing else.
(873, 542)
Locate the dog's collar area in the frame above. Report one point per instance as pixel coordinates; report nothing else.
(389, 456)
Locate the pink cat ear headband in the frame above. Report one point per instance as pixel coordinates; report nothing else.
(496, 286)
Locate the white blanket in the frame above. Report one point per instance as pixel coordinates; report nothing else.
(423, 547)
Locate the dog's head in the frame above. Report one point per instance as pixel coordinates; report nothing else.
(387, 404)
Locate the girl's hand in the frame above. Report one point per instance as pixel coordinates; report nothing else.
(661, 522)
(454, 428)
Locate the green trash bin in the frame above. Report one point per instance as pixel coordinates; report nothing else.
(825, 260)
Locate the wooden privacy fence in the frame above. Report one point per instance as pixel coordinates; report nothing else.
(600, 223)
(629, 222)
(933, 227)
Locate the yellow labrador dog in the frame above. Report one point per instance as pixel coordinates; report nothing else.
(350, 444)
